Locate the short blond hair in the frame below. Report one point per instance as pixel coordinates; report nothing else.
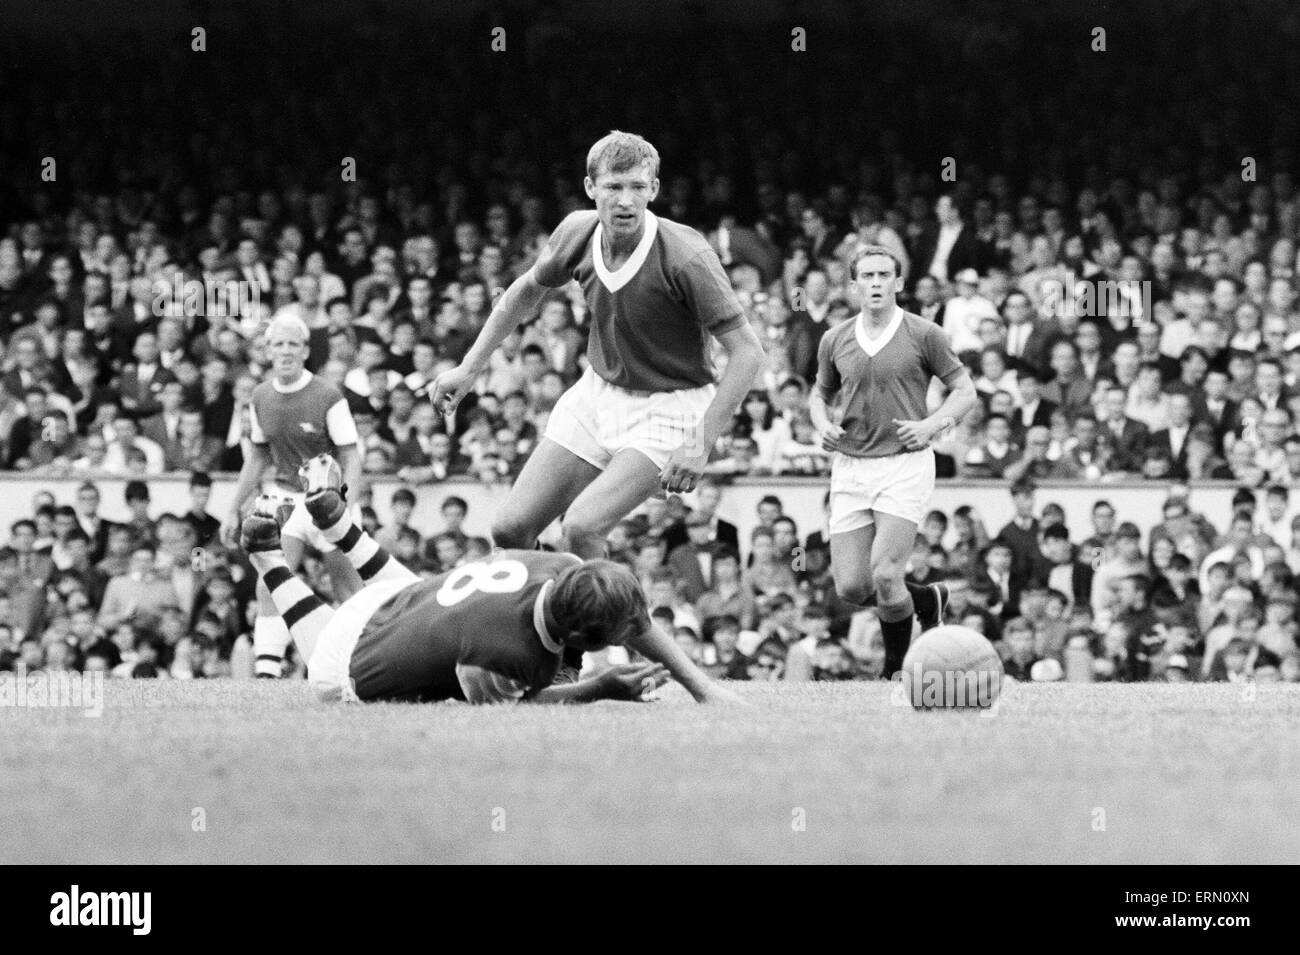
(288, 321)
(864, 251)
(619, 151)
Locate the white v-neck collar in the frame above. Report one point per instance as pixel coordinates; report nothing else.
(616, 280)
(872, 348)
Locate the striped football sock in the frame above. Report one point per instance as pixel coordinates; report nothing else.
(303, 615)
(270, 640)
(373, 564)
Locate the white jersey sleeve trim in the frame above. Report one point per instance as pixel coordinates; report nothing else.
(338, 420)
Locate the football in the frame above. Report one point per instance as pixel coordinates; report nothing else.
(951, 667)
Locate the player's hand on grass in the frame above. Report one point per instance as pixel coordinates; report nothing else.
(451, 386)
(830, 437)
(915, 435)
(721, 696)
(632, 681)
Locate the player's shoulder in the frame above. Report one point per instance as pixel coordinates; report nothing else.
(576, 226)
(324, 388)
(566, 248)
(681, 243)
(919, 327)
(837, 334)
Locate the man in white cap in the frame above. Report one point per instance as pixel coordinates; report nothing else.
(963, 313)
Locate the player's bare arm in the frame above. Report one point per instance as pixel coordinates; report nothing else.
(624, 681)
(519, 301)
(958, 403)
(250, 479)
(657, 646)
(744, 362)
(827, 431)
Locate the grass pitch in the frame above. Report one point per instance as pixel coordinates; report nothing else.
(228, 772)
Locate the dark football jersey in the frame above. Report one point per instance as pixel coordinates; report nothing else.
(652, 318)
(883, 380)
(474, 633)
(297, 425)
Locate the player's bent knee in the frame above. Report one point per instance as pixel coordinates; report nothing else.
(888, 579)
(577, 528)
(512, 535)
(583, 538)
(854, 593)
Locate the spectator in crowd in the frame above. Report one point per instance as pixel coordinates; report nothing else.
(730, 593)
(139, 596)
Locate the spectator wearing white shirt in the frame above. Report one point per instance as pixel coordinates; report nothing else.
(126, 435)
(1277, 520)
(964, 311)
(505, 371)
(424, 356)
(1270, 438)
(1146, 402)
(995, 376)
(331, 286)
(1241, 533)
(370, 358)
(1176, 330)
(758, 420)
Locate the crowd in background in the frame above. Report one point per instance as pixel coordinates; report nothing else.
(1119, 272)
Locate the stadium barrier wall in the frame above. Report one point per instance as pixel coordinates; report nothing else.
(1136, 501)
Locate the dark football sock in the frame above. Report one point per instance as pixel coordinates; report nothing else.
(924, 601)
(896, 629)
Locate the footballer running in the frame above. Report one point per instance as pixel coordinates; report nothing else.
(882, 470)
(491, 631)
(645, 414)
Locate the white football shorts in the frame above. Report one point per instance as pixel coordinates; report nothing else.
(330, 666)
(595, 420)
(899, 485)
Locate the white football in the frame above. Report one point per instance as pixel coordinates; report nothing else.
(952, 667)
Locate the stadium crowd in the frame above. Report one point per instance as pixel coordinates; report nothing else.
(1128, 314)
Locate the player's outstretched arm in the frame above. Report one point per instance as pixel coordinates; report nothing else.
(624, 681)
(250, 479)
(744, 362)
(518, 302)
(656, 645)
